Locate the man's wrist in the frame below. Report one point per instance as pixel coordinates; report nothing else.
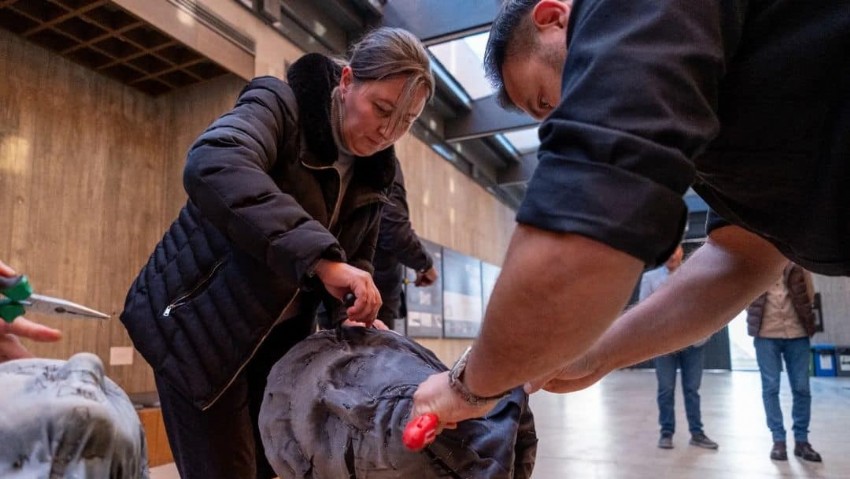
(459, 387)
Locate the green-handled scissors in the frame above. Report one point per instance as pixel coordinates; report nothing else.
(19, 298)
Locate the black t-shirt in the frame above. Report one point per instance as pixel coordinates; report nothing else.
(749, 101)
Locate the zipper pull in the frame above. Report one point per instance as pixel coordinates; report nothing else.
(167, 311)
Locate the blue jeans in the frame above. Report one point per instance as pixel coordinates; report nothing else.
(690, 361)
(769, 354)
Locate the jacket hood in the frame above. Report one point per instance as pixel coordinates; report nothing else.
(313, 78)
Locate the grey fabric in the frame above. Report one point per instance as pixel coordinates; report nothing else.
(337, 409)
(65, 419)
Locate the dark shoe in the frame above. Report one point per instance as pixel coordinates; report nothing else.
(701, 440)
(665, 441)
(804, 450)
(779, 452)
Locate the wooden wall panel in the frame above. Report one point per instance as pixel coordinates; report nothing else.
(446, 350)
(191, 112)
(81, 161)
(91, 176)
(449, 208)
(159, 451)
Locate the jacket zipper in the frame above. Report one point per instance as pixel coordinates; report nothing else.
(251, 356)
(338, 202)
(181, 300)
(266, 334)
(364, 202)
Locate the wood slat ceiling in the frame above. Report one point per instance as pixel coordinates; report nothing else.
(106, 38)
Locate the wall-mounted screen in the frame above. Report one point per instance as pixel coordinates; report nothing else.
(425, 304)
(462, 308)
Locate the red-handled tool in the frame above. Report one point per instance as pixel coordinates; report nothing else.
(421, 431)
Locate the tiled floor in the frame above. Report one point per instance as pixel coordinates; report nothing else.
(609, 431)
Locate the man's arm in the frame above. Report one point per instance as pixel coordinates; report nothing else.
(716, 283)
(555, 296)
(555, 318)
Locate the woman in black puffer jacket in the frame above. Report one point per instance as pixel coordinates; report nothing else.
(285, 193)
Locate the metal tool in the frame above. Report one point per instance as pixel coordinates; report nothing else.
(20, 298)
(420, 431)
(347, 302)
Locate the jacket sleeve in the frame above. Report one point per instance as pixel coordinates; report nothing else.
(227, 178)
(639, 98)
(362, 258)
(755, 315)
(801, 290)
(756, 309)
(396, 232)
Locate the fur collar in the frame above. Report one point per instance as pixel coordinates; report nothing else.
(312, 78)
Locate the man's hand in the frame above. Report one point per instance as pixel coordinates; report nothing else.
(340, 278)
(581, 373)
(10, 345)
(436, 396)
(426, 278)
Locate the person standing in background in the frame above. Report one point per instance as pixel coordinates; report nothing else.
(690, 360)
(398, 245)
(782, 320)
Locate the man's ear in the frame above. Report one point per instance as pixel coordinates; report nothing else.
(551, 14)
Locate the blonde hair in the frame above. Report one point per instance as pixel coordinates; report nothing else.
(391, 52)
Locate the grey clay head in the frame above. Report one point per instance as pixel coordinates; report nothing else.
(66, 419)
(336, 408)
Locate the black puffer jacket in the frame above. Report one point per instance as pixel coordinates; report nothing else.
(262, 190)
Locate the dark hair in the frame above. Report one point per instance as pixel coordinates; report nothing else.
(509, 34)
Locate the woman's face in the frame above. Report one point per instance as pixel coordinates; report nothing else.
(367, 108)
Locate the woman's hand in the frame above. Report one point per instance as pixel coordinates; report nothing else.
(377, 324)
(426, 278)
(340, 278)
